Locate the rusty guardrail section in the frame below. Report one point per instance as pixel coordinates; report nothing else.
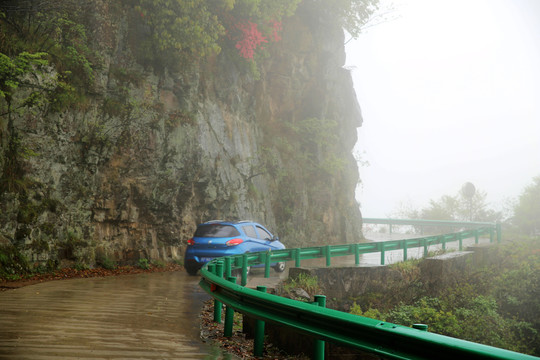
(384, 339)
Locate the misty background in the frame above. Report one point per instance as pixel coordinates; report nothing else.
(449, 92)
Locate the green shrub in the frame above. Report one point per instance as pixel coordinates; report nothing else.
(485, 324)
(498, 305)
(81, 266)
(13, 264)
(427, 311)
(370, 312)
(143, 264)
(106, 263)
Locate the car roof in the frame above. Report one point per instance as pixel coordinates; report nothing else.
(236, 222)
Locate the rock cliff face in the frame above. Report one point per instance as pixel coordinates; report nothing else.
(152, 153)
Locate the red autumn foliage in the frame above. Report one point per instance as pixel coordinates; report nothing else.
(251, 38)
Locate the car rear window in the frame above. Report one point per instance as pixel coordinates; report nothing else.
(216, 230)
(250, 231)
(265, 235)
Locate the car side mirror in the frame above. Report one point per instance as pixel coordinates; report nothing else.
(275, 238)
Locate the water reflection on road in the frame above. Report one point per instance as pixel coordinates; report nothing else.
(146, 316)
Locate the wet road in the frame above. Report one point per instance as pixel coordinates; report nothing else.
(146, 316)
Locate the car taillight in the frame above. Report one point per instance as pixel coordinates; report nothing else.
(234, 242)
(191, 242)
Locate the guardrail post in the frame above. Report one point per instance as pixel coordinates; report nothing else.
(297, 257)
(319, 344)
(227, 270)
(244, 270)
(422, 327)
(328, 254)
(404, 250)
(491, 234)
(217, 304)
(267, 265)
(229, 314)
(443, 241)
(460, 241)
(356, 254)
(499, 232)
(425, 247)
(258, 343)
(382, 253)
(476, 236)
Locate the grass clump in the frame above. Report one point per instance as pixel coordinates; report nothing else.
(307, 282)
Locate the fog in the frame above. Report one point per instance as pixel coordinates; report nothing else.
(450, 93)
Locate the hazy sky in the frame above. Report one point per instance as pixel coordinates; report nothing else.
(450, 93)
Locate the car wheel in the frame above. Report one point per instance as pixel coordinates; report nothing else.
(238, 272)
(191, 270)
(280, 267)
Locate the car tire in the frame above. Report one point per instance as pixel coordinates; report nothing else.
(191, 270)
(238, 272)
(280, 267)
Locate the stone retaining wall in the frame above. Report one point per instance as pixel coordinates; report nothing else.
(436, 273)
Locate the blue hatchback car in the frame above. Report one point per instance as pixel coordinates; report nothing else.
(218, 238)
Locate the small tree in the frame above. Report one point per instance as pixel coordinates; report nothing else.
(475, 208)
(446, 208)
(527, 211)
(460, 207)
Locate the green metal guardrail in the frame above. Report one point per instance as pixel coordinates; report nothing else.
(373, 336)
(434, 223)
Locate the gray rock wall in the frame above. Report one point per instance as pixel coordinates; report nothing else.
(129, 172)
